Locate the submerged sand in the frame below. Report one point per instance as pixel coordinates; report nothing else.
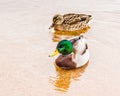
(25, 43)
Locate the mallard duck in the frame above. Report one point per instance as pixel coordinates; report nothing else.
(70, 22)
(74, 53)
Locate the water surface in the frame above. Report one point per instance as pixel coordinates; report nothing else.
(25, 43)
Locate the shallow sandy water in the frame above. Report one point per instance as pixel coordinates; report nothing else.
(25, 43)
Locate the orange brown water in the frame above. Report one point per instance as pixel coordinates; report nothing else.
(64, 77)
(59, 35)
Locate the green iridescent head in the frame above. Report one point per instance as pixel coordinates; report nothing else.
(64, 47)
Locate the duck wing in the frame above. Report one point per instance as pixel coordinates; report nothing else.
(75, 18)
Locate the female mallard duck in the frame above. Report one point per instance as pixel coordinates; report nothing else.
(70, 22)
(74, 53)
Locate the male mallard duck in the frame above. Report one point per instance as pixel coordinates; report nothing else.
(74, 53)
(70, 22)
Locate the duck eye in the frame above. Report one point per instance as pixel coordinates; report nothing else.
(59, 19)
(61, 46)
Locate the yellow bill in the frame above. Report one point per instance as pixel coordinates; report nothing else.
(54, 53)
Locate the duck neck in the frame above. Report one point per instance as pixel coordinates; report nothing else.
(58, 27)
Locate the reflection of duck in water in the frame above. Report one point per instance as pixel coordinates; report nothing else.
(70, 22)
(74, 52)
(63, 79)
(60, 35)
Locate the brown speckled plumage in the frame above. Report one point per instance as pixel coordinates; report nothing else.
(70, 22)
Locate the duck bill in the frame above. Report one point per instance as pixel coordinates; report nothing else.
(51, 26)
(54, 53)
